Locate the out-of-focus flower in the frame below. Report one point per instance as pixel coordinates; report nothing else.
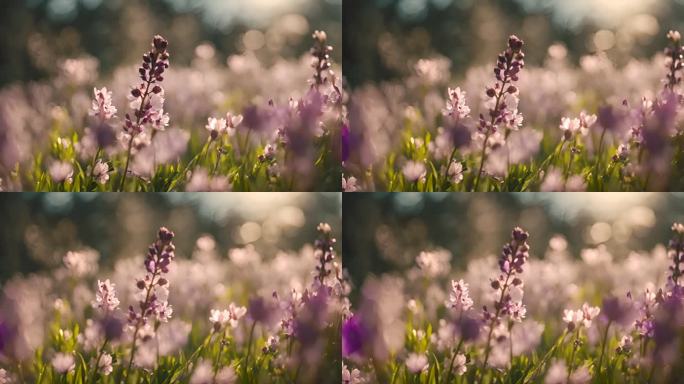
(101, 172)
(349, 184)
(456, 104)
(4, 377)
(413, 170)
(105, 298)
(63, 362)
(352, 376)
(455, 172)
(230, 316)
(102, 105)
(105, 365)
(61, 171)
(203, 373)
(434, 263)
(417, 362)
(581, 317)
(459, 298)
(81, 263)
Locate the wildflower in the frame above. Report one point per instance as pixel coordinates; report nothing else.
(459, 297)
(105, 364)
(102, 105)
(101, 172)
(581, 317)
(321, 53)
(203, 374)
(352, 376)
(625, 345)
(455, 172)
(615, 309)
(216, 127)
(81, 263)
(676, 252)
(349, 184)
(4, 377)
(675, 60)
(324, 253)
(63, 362)
(230, 316)
(456, 104)
(353, 336)
(61, 171)
(147, 99)
(434, 263)
(460, 364)
(414, 170)
(226, 375)
(105, 298)
(502, 99)
(417, 362)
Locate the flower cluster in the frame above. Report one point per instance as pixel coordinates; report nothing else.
(625, 138)
(581, 317)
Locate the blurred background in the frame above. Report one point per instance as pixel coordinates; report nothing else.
(34, 34)
(384, 38)
(384, 232)
(40, 228)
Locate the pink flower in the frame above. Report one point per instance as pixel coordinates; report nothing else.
(105, 298)
(102, 105)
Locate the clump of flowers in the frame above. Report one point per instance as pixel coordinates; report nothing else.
(627, 136)
(262, 131)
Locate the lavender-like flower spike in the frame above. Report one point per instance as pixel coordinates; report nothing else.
(503, 99)
(456, 106)
(153, 288)
(676, 253)
(675, 60)
(324, 252)
(508, 285)
(321, 53)
(459, 299)
(147, 99)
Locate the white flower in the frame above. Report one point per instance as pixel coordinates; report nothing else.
(557, 374)
(350, 376)
(105, 365)
(216, 126)
(203, 373)
(459, 297)
(101, 172)
(102, 105)
(455, 172)
(517, 311)
(63, 362)
(105, 298)
(228, 316)
(61, 171)
(413, 170)
(516, 292)
(460, 364)
(226, 375)
(456, 105)
(81, 263)
(349, 185)
(570, 126)
(590, 313)
(233, 121)
(434, 263)
(4, 377)
(417, 362)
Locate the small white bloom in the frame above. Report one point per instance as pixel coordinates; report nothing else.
(102, 105)
(101, 172)
(417, 362)
(455, 172)
(105, 365)
(413, 170)
(63, 362)
(105, 298)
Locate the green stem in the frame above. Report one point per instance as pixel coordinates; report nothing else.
(598, 156)
(249, 349)
(218, 356)
(137, 328)
(453, 359)
(97, 361)
(603, 348)
(572, 354)
(128, 160)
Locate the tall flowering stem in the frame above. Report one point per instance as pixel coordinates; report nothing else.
(676, 252)
(155, 62)
(321, 54)
(510, 62)
(324, 252)
(675, 60)
(509, 285)
(157, 262)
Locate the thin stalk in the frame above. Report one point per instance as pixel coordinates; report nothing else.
(92, 164)
(137, 125)
(453, 359)
(218, 355)
(598, 156)
(137, 327)
(97, 361)
(603, 348)
(249, 349)
(572, 354)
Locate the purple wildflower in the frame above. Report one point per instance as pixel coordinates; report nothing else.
(105, 298)
(675, 60)
(353, 336)
(676, 253)
(321, 62)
